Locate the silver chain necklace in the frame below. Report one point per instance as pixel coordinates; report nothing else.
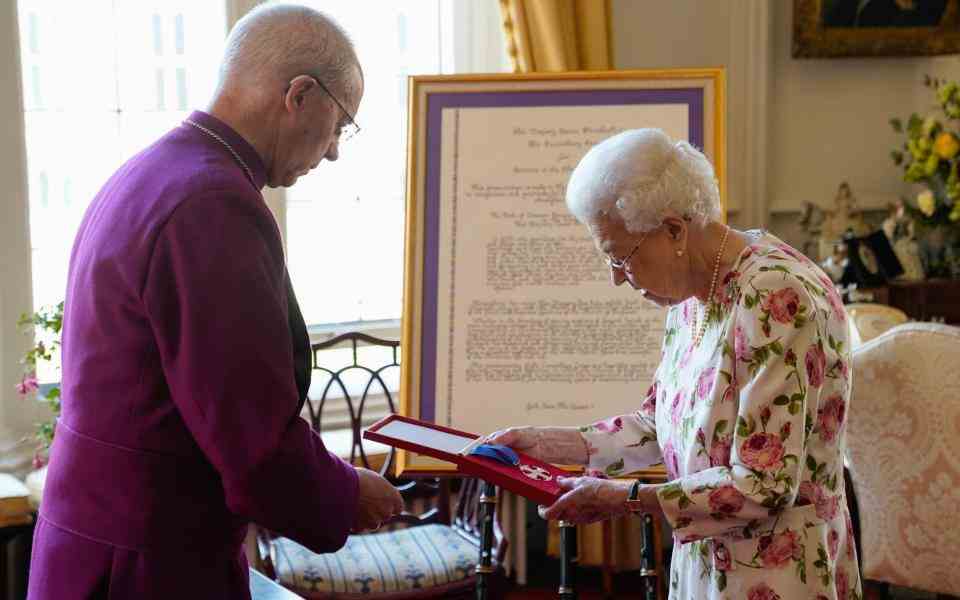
(225, 145)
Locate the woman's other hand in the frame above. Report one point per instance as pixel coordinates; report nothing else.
(557, 445)
(589, 499)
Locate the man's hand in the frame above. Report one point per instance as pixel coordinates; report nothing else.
(378, 500)
(557, 445)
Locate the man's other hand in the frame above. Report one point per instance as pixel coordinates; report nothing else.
(378, 500)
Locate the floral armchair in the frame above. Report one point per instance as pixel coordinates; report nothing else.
(903, 449)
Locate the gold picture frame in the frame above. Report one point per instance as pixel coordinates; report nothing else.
(852, 28)
(699, 92)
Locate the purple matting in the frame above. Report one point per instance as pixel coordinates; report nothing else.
(693, 98)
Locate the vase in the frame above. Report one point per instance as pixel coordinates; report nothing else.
(939, 251)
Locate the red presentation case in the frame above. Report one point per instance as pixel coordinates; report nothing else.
(532, 478)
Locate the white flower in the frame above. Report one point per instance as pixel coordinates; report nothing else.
(926, 203)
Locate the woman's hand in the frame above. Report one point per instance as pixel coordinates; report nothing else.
(589, 499)
(557, 445)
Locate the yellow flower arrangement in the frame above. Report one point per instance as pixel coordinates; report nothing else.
(926, 203)
(946, 146)
(931, 156)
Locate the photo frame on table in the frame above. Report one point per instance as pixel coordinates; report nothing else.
(848, 28)
(871, 260)
(509, 316)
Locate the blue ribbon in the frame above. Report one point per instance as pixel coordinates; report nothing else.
(502, 454)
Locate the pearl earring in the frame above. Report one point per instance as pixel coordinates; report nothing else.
(679, 252)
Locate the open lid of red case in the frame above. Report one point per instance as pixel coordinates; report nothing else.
(531, 478)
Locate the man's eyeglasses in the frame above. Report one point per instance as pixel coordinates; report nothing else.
(620, 263)
(350, 128)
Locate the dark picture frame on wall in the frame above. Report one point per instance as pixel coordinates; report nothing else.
(850, 28)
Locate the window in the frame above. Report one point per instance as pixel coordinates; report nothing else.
(344, 222)
(102, 79)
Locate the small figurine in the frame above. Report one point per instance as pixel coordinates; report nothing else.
(836, 262)
(845, 218)
(899, 229)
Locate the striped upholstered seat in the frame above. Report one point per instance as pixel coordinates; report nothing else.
(399, 562)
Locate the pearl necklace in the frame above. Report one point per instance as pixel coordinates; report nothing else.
(225, 145)
(702, 321)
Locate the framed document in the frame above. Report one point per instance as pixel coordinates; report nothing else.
(509, 314)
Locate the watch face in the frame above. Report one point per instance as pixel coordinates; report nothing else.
(868, 258)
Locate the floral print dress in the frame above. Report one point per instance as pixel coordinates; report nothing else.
(750, 425)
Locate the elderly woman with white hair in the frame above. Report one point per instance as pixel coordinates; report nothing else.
(747, 407)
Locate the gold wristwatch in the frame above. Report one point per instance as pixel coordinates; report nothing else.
(634, 505)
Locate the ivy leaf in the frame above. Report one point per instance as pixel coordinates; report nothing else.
(615, 468)
(897, 125)
(781, 400)
(720, 427)
(811, 463)
(742, 429)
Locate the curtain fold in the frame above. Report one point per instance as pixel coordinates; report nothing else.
(570, 35)
(557, 35)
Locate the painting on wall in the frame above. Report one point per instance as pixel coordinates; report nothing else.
(846, 28)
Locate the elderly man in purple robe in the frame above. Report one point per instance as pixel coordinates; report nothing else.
(186, 360)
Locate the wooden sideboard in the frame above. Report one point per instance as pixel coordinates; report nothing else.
(922, 300)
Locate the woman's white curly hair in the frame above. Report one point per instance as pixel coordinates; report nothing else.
(640, 174)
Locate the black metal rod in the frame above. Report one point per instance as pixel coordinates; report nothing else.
(568, 561)
(648, 559)
(485, 568)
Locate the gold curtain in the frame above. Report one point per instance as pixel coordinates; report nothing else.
(571, 35)
(557, 35)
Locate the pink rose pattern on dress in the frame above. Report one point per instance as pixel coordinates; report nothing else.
(741, 347)
(827, 506)
(810, 493)
(830, 417)
(613, 425)
(833, 541)
(762, 591)
(649, 406)
(762, 452)
(705, 383)
(782, 305)
(816, 362)
(726, 500)
(670, 461)
(721, 556)
(720, 452)
(738, 451)
(833, 297)
(676, 408)
(777, 550)
(843, 583)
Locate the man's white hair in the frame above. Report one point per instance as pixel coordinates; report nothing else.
(277, 42)
(639, 174)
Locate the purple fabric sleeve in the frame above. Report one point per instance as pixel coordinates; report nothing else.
(216, 300)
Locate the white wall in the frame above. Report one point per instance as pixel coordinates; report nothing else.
(829, 123)
(694, 33)
(796, 128)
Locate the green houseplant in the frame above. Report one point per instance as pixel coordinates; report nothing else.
(44, 326)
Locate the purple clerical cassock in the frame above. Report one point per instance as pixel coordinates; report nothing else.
(185, 365)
